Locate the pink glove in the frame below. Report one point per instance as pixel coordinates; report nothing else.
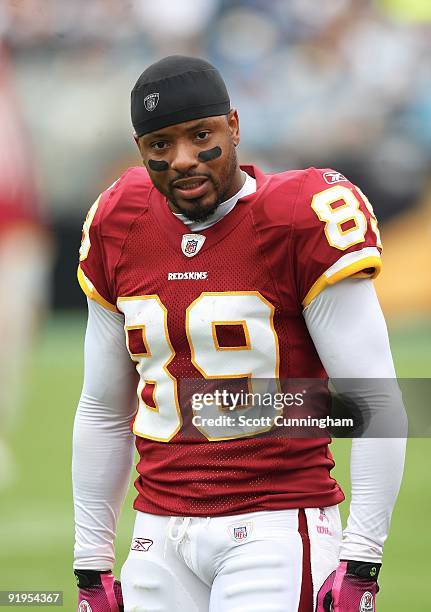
(98, 592)
(351, 588)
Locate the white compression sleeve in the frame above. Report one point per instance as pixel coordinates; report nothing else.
(348, 329)
(102, 441)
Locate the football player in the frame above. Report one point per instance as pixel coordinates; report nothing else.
(198, 269)
(25, 254)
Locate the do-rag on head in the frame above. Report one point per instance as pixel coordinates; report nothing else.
(177, 89)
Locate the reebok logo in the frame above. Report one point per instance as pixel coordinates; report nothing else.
(141, 544)
(333, 177)
(187, 275)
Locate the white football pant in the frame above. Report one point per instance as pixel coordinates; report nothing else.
(272, 561)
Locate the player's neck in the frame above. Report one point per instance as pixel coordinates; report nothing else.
(237, 183)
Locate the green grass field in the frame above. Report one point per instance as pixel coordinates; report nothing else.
(36, 527)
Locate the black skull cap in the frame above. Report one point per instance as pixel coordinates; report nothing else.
(176, 89)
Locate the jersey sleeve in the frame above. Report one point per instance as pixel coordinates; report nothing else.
(93, 275)
(335, 233)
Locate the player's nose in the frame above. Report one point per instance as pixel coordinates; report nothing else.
(185, 158)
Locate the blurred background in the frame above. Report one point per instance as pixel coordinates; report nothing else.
(338, 83)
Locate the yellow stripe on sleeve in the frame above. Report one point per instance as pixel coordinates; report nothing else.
(90, 291)
(336, 273)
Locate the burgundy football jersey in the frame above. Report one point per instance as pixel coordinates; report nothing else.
(227, 305)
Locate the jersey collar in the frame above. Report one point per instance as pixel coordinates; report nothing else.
(174, 228)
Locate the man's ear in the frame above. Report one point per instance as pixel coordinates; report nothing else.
(233, 123)
(136, 139)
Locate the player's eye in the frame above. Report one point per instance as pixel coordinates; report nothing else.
(203, 135)
(160, 145)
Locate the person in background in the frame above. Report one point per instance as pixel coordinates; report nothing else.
(25, 255)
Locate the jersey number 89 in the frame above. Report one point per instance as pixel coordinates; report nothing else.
(257, 359)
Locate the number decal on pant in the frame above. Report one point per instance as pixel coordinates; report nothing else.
(150, 347)
(349, 212)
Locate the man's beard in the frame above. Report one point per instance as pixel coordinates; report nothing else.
(200, 212)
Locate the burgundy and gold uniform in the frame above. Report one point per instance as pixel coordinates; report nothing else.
(232, 310)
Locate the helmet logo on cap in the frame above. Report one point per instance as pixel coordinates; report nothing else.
(151, 101)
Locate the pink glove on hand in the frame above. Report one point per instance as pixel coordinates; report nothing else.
(351, 588)
(98, 592)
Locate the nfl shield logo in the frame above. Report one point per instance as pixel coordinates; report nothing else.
(190, 248)
(151, 101)
(84, 606)
(191, 244)
(367, 602)
(241, 532)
